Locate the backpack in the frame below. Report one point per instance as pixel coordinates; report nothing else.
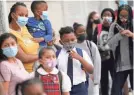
(37, 75)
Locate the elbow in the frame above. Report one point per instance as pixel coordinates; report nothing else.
(91, 70)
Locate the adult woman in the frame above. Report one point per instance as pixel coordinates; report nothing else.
(91, 28)
(11, 69)
(27, 48)
(122, 47)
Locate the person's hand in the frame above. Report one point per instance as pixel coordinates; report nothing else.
(38, 40)
(75, 55)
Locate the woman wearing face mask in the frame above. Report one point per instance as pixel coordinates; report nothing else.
(107, 65)
(11, 69)
(91, 29)
(27, 50)
(93, 52)
(122, 46)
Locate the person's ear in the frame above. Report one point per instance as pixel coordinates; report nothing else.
(14, 17)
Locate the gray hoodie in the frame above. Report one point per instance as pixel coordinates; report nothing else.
(94, 54)
(123, 62)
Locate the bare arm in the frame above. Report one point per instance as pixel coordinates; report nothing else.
(87, 66)
(1, 89)
(6, 87)
(26, 58)
(65, 93)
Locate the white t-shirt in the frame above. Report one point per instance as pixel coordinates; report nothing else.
(79, 75)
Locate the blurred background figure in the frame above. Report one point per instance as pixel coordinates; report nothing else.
(30, 87)
(91, 29)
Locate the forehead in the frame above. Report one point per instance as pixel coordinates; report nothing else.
(9, 40)
(21, 10)
(96, 15)
(41, 6)
(107, 13)
(123, 12)
(68, 36)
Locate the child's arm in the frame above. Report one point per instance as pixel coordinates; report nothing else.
(65, 93)
(66, 84)
(85, 61)
(48, 37)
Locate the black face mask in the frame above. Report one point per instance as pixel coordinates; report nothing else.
(97, 21)
(82, 37)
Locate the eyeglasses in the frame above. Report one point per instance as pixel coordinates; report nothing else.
(123, 16)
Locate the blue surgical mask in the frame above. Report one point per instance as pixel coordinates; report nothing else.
(22, 21)
(10, 51)
(44, 15)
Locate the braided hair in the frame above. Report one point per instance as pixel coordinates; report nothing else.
(13, 9)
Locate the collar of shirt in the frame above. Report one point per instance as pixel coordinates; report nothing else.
(43, 72)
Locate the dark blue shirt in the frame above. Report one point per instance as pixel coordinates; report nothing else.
(40, 28)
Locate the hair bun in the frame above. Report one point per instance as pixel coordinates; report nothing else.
(75, 24)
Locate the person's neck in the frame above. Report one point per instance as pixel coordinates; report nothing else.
(47, 70)
(94, 26)
(12, 59)
(37, 17)
(13, 25)
(79, 41)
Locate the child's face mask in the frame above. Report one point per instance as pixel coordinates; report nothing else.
(50, 64)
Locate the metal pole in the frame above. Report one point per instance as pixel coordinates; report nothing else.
(4, 26)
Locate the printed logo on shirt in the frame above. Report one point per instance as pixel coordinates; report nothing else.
(41, 26)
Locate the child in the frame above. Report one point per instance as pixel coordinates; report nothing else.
(30, 87)
(55, 82)
(74, 62)
(93, 52)
(39, 25)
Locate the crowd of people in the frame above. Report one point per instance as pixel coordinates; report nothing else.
(31, 63)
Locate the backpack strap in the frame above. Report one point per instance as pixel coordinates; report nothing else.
(58, 52)
(89, 45)
(37, 75)
(79, 51)
(60, 80)
(99, 27)
(57, 47)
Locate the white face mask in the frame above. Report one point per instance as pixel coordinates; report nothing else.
(44, 15)
(109, 19)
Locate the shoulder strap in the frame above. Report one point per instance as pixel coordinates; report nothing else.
(60, 79)
(37, 75)
(79, 51)
(89, 47)
(58, 52)
(57, 47)
(99, 27)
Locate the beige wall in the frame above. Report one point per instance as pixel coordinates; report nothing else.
(67, 12)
